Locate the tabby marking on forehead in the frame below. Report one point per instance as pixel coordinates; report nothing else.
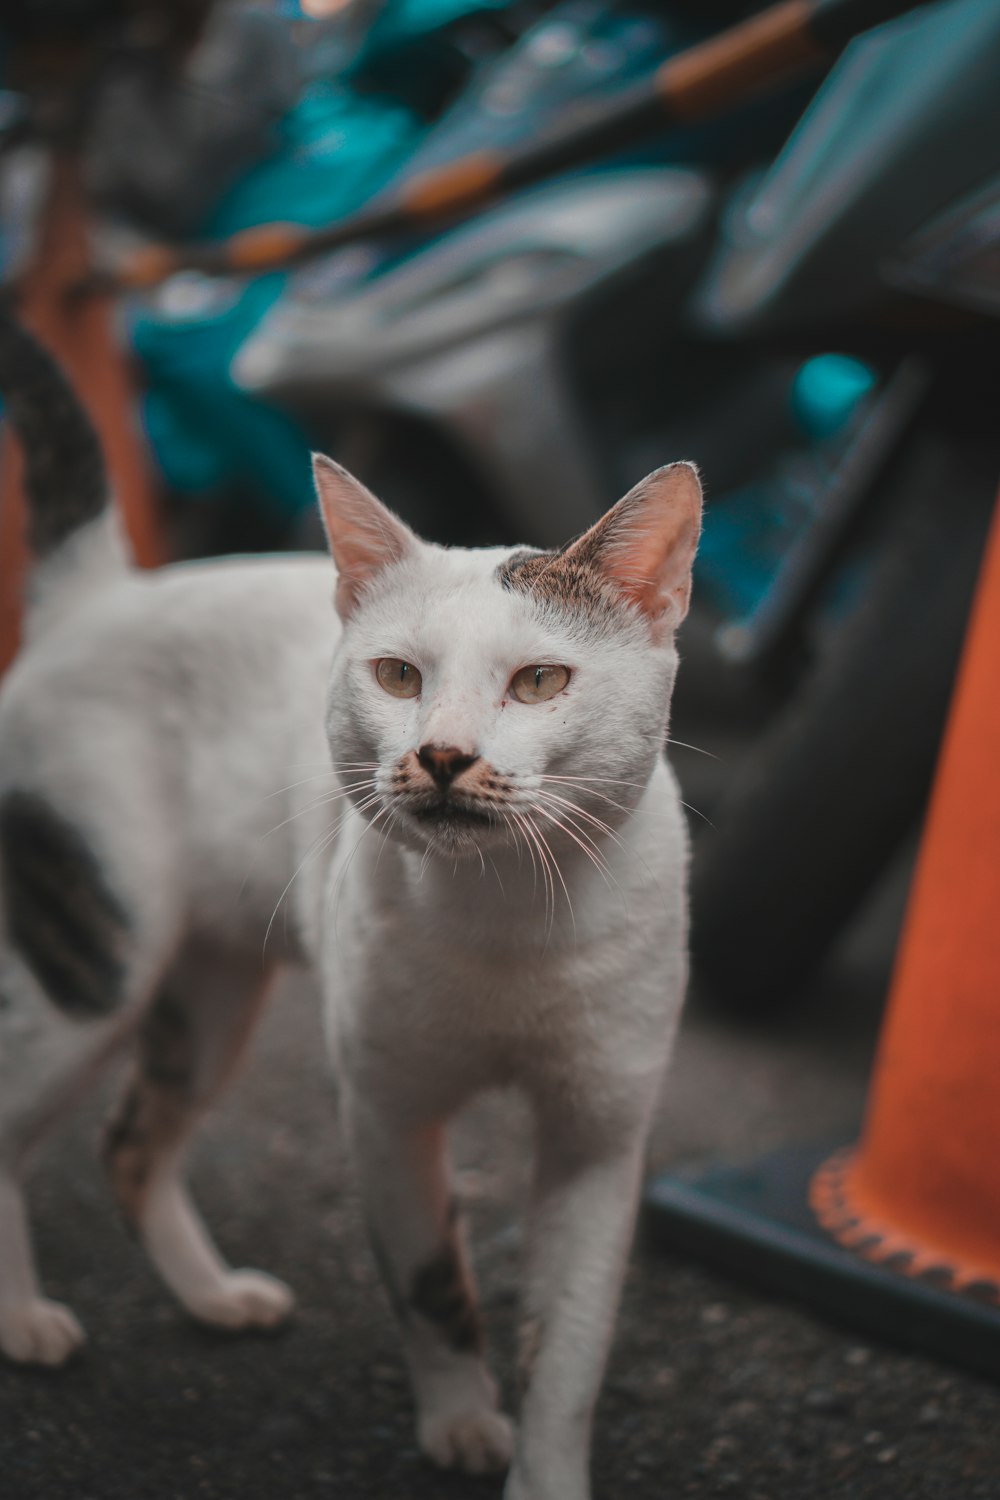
(569, 580)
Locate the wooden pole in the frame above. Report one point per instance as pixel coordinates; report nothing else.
(81, 334)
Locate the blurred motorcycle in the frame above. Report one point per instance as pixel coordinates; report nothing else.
(369, 81)
(506, 378)
(876, 232)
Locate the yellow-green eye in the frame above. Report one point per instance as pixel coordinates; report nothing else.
(398, 677)
(536, 684)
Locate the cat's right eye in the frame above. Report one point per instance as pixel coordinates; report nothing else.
(538, 684)
(398, 677)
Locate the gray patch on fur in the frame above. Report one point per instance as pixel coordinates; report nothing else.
(62, 918)
(167, 1044)
(442, 1294)
(64, 475)
(126, 1135)
(155, 1111)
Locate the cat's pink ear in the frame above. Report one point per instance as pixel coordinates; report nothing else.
(645, 545)
(364, 536)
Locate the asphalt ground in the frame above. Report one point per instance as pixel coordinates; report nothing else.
(712, 1389)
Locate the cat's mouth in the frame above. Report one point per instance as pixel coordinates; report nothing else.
(445, 813)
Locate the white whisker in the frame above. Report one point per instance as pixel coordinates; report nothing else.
(602, 780)
(685, 746)
(385, 832)
(598, 823)
(496, 872)
(562, 882)
(591, 792)
(568, 809)
(293, 784)
(519, 826)
(581, 812)
(533, 847)
(334, 770)
(325, 838)
(577, 836)
(338, 892)
(325, 799)
(699, 814)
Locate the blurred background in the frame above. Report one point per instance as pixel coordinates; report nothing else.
(800, 293)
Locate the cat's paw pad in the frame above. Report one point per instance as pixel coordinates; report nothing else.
(478, 1442)
(244, 1299)
(39, 1332)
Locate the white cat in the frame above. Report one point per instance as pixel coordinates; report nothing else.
(491, 885)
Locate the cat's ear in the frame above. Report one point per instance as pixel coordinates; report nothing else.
(364, 536)
(645, 545)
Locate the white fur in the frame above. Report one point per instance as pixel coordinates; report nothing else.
(177, 719)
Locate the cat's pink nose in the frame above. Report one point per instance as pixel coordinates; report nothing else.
(444, 762)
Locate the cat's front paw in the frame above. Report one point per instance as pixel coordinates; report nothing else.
(561, 1475)
(518, 1487)
(39, 1332)
(478, 1441)
(243, 1299)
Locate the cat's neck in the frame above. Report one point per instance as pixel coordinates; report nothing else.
(550, 894)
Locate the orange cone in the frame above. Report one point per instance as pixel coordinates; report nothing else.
(82, 337)
(923, 1187)
(915, 1207)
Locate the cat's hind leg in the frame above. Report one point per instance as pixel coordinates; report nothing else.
(33, 1328)
(188, 1045)
(47, 1062)
(417, 1239)
(70, 964)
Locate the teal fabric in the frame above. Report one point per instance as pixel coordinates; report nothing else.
(404, 20)
(749, 533)
(404, 50)
(827, 391)
(332, 152)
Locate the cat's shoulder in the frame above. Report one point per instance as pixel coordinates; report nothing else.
(243, 609)
(228, 594)
(264, 576)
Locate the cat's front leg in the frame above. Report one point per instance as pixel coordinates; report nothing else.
(418, 1243)
(580, 1229)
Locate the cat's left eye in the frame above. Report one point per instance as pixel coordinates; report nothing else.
(536, 684)
(398, 677)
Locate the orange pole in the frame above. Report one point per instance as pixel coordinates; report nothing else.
(923, 1186)
(80, 332)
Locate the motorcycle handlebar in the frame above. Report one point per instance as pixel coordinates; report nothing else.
(696, 84)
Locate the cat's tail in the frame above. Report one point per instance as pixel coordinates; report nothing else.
(71, 528)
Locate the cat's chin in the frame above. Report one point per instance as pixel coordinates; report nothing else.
(451, 829)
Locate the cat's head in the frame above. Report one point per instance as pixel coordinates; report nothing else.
(479, 694)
